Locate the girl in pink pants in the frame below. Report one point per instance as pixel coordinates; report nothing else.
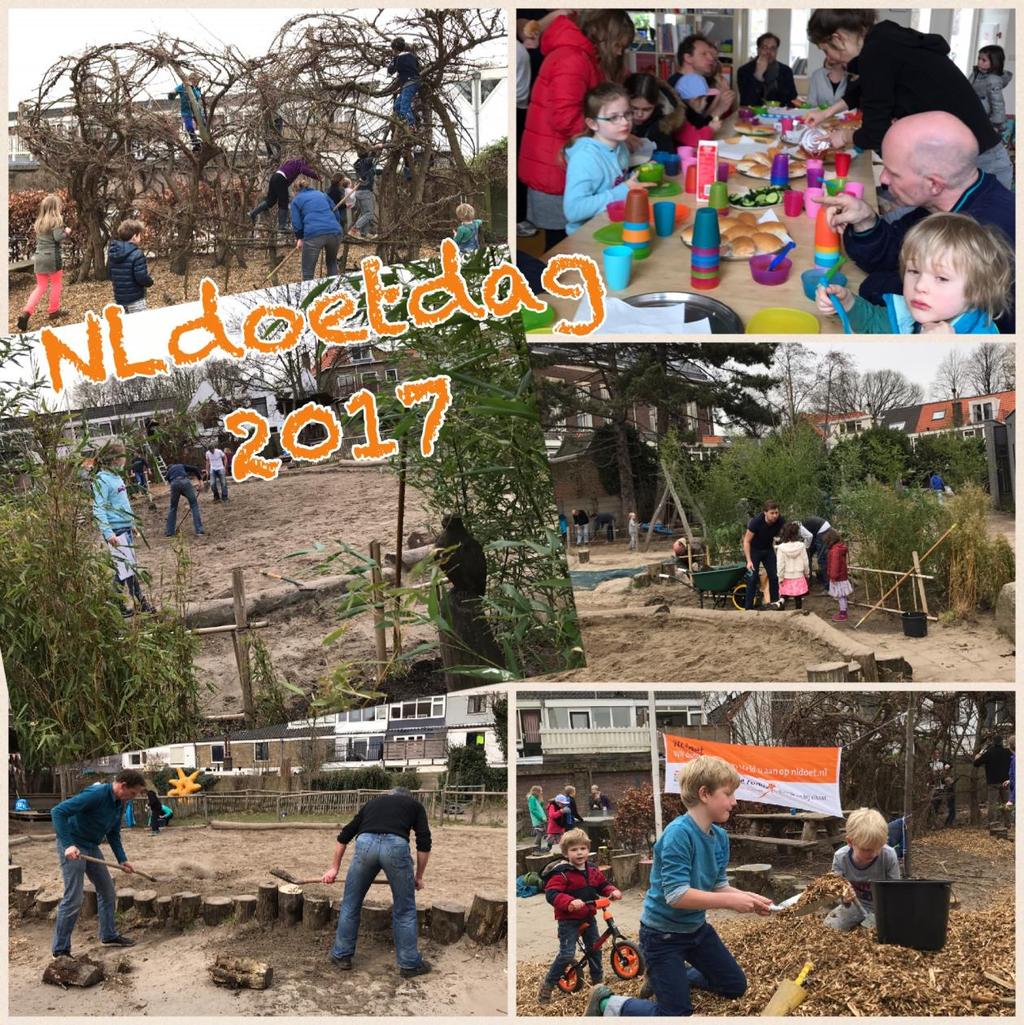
(47, 261)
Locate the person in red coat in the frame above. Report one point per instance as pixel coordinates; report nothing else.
(839, 585)
(568, 886)
(580, 52)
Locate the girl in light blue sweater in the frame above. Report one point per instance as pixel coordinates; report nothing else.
(598, 161)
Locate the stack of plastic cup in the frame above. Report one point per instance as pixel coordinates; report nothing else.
(826, 241)
(780, 171)
(706, 251)
(636, 224)
(815, 171)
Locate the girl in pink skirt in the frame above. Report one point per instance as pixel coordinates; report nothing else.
(793, 565)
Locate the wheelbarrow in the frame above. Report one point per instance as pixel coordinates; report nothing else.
(725, 585)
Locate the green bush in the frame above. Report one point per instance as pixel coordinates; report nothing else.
(373, 777)
(880, 453)
(978, 565)
(960, 461)
(467, 767)
(161, 779)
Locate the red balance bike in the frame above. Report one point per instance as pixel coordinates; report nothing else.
(627, 961)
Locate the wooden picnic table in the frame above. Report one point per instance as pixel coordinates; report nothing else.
(773, 824)
(667, 269)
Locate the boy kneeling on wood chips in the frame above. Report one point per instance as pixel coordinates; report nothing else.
(865, 857)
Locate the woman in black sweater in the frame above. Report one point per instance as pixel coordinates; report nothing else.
(902, 72)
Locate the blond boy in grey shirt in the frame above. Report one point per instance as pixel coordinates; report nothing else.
(866, 857)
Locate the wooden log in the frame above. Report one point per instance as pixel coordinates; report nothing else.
(829, 672)
(422, 921)
(447, 923)
(289, 903)
(125, 900)
(145, 903)
(13, 877)
(245, 906)
(315, 913)
(782, 887)
(753, 878)
(64, 972)
(241, 973)
(643, 872)
(522, 850)
(487, 921)
(25, 896)
(90, 905)
(538, 862)
(624, 868)
(185, 907)
(868, 668)
(17, 841)
(375, 921)
(216, 910)
(266, 902)
(47, 902)
(162, 907)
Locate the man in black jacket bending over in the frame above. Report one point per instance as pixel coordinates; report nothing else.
(381, 831)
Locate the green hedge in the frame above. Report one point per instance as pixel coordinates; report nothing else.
(373, 777)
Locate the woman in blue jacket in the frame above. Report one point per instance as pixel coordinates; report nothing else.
(317, 225)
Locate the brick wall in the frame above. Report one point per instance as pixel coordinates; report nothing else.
(577, 484)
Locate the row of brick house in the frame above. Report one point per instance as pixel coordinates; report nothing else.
(413, 733)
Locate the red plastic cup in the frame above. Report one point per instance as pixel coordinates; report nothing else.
(842, 164)
(691, 179)
(793, 202)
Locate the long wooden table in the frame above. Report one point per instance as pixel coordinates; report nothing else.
(667, 269)
(773, 824)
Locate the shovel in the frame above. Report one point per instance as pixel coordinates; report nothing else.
(280, 873)
(112, 864)
(789, 995)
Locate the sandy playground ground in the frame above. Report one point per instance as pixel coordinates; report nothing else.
(262, 523)
(980, 867)
(168, 971)
(960, 652)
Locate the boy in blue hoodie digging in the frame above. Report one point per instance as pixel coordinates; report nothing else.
(598, 162)
(957, 279)
(126, 264)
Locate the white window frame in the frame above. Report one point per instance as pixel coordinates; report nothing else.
(939, 414)
(391, 374)
(580, 711)
(476, 704)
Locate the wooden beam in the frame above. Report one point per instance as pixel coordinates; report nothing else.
(378, 610)
(227, 628)
(241, 644)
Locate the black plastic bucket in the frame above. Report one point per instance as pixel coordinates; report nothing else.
(912, 912)
(915, 624)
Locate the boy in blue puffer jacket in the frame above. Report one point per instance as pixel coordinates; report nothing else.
(126, 264)
(598, 162)
(957, 279)
(317, 225)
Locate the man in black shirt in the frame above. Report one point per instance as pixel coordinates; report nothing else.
(759, 549)
(178, 477)
(381, 831)
(818, 527)
(996, 760)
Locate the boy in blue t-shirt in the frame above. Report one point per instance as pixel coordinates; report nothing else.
(680, 947)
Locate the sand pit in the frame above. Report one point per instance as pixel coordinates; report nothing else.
(468, 979)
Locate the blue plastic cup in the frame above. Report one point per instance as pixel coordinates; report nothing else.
(618, 267)
(810, 279)
(664, 218)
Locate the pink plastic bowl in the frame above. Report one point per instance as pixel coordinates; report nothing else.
(616, 210)
(763, 276)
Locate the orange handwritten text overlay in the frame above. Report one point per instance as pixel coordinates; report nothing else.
(429, 303)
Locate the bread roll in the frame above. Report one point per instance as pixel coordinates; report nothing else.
(765, 242)
(746, 217)
(742, 247)
(688, 234)
(732, 140)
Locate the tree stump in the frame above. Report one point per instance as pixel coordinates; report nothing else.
(447, 923)
(13, 877)
(125, 900)
(522, 851)
(245, 907)
(782, 887)
(624, 868)
(753, 878)
(64, 972)
(643, 872)
(422, 921)
(315, 913)
(47, 902)
(145, 903)
(538, 862)
(241, 973)
(162, 907)
(375, 921)
(89, 903)
(488, 918)
(829, 672)
(999, 832)
(25, 896)
(289, 903)
(216, 910)
(185, 907)
(266, 902)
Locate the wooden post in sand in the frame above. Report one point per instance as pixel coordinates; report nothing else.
(240, 640)
(378, 610)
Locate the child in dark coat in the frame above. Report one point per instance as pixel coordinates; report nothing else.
(568, 886)
(126, 265)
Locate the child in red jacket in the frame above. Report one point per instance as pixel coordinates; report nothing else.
(568, 885)
(839, 585)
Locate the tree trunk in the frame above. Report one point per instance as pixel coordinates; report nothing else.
(241, 973)
(13, 877)
(81, 972)
(47, 902)
(162, 907)
(185, 907)
(488, 919)
(829, 672)
(753, 878)
(145, 903)
(217, 910)
(316, 912)
(523, 851)
(245, 907)
(538, 862)
(624, 870)
(643, 870)
(627, 493)
(266, 902)
(125, 900)
(447, 923)
(375, 921)
(289, 903)
(25, 896)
